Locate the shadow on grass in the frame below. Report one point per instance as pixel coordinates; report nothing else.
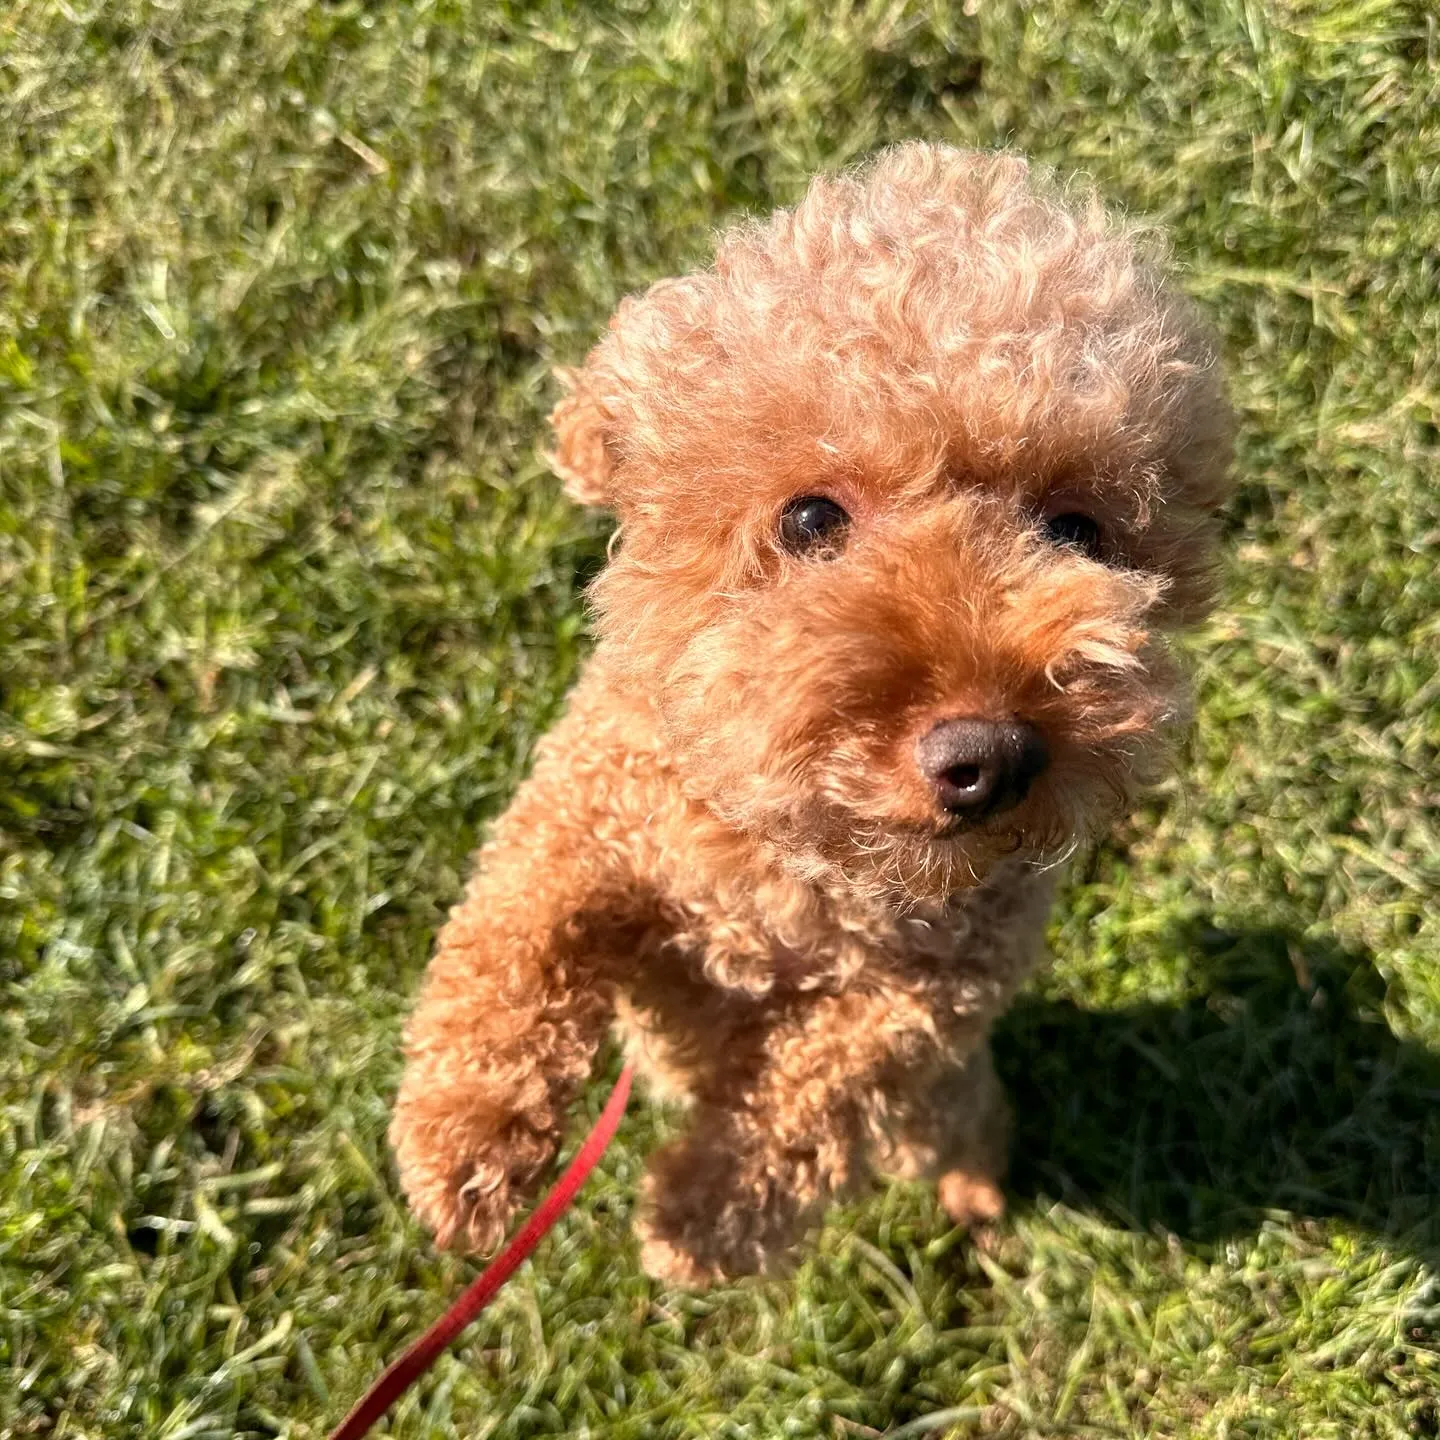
(1282, 1088)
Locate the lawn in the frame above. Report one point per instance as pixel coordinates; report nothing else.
(287, 592)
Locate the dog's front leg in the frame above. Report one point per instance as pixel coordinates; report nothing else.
(779, 1127)
(513, 1008)
(949, 1123)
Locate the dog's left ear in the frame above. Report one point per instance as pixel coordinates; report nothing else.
(583, 428)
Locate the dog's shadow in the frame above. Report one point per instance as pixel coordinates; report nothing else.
(1280, 1088)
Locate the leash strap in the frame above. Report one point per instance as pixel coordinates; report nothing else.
(401, 1374)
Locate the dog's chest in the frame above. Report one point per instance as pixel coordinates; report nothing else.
(740, 968)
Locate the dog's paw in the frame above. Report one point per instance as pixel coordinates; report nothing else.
(466, 1206)
(970, 1199)
(465, 1174)
(711, 1213)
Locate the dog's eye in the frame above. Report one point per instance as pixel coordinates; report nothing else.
(811, 525)
(1076, 530)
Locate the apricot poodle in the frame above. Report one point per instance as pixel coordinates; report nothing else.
(913, 485)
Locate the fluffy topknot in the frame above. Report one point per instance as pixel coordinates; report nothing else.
(934, 308)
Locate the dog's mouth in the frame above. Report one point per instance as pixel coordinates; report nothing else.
(952, 829)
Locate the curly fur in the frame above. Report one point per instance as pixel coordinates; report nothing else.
(726, 851)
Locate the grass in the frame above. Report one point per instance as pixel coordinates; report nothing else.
(286, 593)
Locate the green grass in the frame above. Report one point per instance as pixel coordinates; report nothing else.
(286, 593)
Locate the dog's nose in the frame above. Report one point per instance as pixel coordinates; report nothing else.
(980, 767)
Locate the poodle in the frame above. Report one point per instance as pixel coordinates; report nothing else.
(913, 485)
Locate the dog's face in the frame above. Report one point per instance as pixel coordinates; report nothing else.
(911, 486)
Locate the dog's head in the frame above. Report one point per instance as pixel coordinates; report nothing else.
(911, 484)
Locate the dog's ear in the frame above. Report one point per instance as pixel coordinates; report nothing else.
(620, 395)
(584, 429)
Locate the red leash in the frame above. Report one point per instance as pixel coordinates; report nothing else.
(401, 1374)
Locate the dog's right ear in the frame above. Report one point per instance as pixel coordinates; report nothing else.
(582, 457)
(612, 401)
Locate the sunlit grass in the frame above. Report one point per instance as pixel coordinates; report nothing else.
(286, 593)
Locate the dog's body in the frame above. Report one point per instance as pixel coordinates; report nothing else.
(910, 486)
